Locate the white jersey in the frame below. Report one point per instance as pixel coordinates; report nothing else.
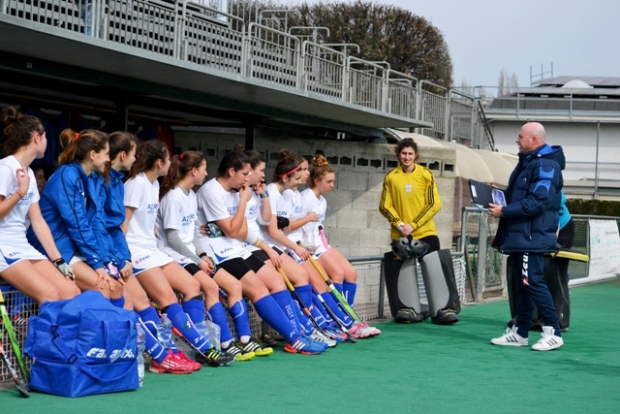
(295, 209)
(319, 205)
(14, 245)
(14, 225)
(143, 197)
(215, 203)
(177, 211)
(278, 208)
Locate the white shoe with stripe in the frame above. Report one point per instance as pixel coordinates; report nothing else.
(548, 341)
(510, 338)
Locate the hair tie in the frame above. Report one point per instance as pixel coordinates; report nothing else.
(77, 136)
(290, 172)
(181, 157)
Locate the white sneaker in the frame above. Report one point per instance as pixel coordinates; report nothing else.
(548, 341)
(319, 337)
(510, 338)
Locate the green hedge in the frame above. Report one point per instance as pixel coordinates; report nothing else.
(594, 207)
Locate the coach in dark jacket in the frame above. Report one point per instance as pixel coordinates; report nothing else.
(527, 230)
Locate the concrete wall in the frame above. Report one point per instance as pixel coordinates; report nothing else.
(353, 224)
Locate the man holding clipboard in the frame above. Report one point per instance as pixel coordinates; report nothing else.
(527, 231)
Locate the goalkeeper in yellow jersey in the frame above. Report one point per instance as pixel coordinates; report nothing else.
(409, 201)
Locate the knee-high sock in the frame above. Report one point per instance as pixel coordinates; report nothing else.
(239, 314)
(182, 322)
(195, 309)
(338, 287)
(118, 302)
(319, 313)
(342, 317)
(149, 325)
(303, 319)
(349, 290)
(218, 315)
(271, 313)
(285, 301)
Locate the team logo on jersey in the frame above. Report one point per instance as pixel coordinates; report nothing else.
(232, 210)
(407, 188)
(141, 259)
(12, 257)
(282, 213)
(152, 208)
(188, 220)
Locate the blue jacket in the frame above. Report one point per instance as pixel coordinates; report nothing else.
(530, 219)
(114, 215)
(565, 215)
(69, 206)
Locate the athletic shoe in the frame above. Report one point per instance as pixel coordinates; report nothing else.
(171, 364)
(304, 346)
(548, 341)
(320, 344)
(510, 338)
(373, 331)
(445, 316)
(238, 353)
(269, 340)
(253, 346)
(336, 335)
(359, 330)
(215, 358)
(408, 315)
(196, 366)
(319, 337)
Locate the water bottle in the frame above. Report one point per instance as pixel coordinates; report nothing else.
(140, 342)
(211, 332)
(164, 332)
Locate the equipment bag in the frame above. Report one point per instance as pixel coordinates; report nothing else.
(82, 346)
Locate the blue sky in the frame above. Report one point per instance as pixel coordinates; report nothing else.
(485, 36)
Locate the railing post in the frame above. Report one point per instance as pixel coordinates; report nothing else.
(483, 233)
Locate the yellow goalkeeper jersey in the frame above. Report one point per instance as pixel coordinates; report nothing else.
(410, 198)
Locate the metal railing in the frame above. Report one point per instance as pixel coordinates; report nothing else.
(197, 33)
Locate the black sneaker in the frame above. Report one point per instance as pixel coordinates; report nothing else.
(445, 316)
(237, 351)
(255, 347)
(408, 315)
(269, 341)
(214, 358)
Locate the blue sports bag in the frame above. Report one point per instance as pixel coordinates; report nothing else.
(82, 346)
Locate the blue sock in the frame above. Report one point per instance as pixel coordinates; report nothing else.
(268, 309)
(303, 319)
(239, 314)
(319, 312)
(151, 345)
(285, 301)
(305, 294)
(195, 309)
(118, 302)
(338, 287)
(185, 326)
(218, 315)
(333, 306)
(349, 290)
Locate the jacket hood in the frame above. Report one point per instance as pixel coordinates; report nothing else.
(555, 153)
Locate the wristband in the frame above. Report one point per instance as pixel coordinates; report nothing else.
(400, 226)
(264, 195)
(20, 193)
(257, 242)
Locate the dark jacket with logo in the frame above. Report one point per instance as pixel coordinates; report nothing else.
(530, 219)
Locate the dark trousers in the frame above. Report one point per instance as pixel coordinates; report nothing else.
(529, 282)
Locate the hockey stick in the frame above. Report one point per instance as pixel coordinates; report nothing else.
(303, 307)
(343, 302)
(6, 320)
(333, 316)
(20, 384)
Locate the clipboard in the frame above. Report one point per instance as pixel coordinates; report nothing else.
(483, 194)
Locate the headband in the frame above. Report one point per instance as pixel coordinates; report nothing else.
(290, 172)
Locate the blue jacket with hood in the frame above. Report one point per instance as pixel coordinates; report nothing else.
(69, 206)
(530, 219)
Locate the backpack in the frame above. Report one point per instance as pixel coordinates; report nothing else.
(82, 346)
